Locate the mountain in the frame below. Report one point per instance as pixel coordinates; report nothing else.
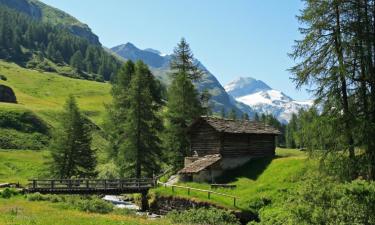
(265, 100)
(159, 64)
(40, 11)
(149, 56)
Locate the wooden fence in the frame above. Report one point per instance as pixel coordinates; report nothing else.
(189, 189)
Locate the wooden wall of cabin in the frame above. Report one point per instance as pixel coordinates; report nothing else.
(204, 140)
(256, 145)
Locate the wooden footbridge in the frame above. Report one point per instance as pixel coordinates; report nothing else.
(94, 186)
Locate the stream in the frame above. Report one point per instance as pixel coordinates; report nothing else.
(120, 203)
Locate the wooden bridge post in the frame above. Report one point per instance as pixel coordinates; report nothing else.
(144, 201)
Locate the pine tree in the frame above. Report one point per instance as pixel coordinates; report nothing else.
(71, 145)
(245, 116)
(183, 62)
(183, 107)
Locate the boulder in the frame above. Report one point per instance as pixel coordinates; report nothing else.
(7, 94)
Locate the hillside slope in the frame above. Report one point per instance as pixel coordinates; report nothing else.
(260, 178)
(40, 11)
(45, 93)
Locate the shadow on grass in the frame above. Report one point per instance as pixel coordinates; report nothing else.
(251, 170)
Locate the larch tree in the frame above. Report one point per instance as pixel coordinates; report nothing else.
(141, 150)
(133, 123)
(71, 145)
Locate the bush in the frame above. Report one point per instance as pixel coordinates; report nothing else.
(25, 121)
(95, 205)
(211, 216)
(13, 139)
(36, 197)
(3, 77)
(6, 193)
(321, 200)
(257, 203)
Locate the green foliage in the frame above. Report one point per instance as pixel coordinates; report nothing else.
(13, 139)
(202, 216)
(24, 37)
(22, 129)
(272, 121)
(137, 100)
(183, 107)
(8, 193)
(335, 56)
(183, 62)
(3, 77)
(71, 145)
(25, 121)
(86, 204)
(95, 206)
(108, 170)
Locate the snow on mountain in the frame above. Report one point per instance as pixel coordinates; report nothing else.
(265, 100)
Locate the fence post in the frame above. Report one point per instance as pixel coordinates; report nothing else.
(87, 183)
(234, 201)
(34, 183)
(209, 195)
(52, 184)
(173, 189)
(188, 191)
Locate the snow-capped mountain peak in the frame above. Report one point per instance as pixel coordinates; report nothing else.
(265, 100)
(244, 86)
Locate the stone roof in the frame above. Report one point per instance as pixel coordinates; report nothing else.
(237, 126)
(200, 164)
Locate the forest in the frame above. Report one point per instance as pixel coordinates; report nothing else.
(42, 46)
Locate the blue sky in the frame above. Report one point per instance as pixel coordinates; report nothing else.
(231, 38)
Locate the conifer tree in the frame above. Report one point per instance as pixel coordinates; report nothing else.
(116, 112)
(76, 61)
(141, 150)
(71, 145)
(183, 105)
(183, 62)
(133, 124)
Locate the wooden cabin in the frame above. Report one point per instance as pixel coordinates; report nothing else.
(220, 144)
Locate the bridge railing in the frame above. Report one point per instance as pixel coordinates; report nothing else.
(78, 184)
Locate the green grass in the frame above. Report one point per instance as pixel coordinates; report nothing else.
(19, 211)
(263, 177)
(45, 93)
(21, 165)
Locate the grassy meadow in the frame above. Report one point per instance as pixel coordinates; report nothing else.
(21, 165)
(45, 93)
(260, 178)
(19, 211)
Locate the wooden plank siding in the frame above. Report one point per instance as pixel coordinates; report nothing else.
(257, 145)
(205, 140)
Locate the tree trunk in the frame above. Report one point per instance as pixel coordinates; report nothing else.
(343, 85)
